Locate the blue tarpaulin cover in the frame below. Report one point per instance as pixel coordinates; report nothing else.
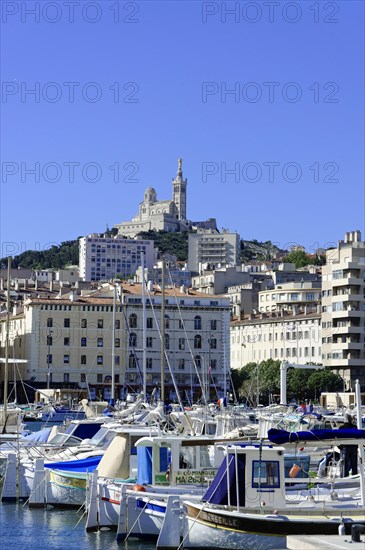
(144, 464)
(282, 436)
(226, 478)
(82, 465)
(41, 436)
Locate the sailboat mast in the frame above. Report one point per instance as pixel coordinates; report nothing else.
(163, 333)
(144, 330)
(7, 344)
(112, 397)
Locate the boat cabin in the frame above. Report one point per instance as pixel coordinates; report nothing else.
(250, 476)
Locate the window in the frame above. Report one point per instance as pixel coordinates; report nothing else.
(83, 359)
(99, 360)
(197, 341)
(149, 342)
(100, 323)
(100, 342)
(133, 320)
(132, 339)
(49, 322)
(66, 341)
(167, 341)
(49, 358)
(83, 323)
(181, 364)
(49, 340)
(116, 360)
(116, 378)
(66, 322)
(213, 363)
(182, 343)
(181, 324)
(149, 363)
(66, 377)
(213, 324)
(132, 361)
(149, 322)
(83, 342)
(82, 377)
(66, 359)
(213, 343)
(198, 361)
(117, 323)
(117, 342)
(265, 473)
(197, 323)
(99, 378)
(167, 321)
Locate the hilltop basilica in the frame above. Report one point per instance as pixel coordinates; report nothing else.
(164, 215)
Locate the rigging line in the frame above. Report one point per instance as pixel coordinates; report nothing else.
(187, 339)
(22, 383)
(166, 356)
(215, 387)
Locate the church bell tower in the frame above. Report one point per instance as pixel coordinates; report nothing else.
(179, 191)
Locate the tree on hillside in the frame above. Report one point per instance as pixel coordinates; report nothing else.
(297, 257)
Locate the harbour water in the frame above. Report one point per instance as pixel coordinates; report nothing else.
(56, 529)
(37, 529)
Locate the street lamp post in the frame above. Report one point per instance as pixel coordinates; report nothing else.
(49, 357)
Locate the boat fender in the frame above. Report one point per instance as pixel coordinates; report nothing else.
(356, 530)
(341, 529)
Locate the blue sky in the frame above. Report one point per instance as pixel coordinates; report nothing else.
(147, 85)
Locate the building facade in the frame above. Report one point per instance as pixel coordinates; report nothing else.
(70, 341)
(290, 297)
(283, 337)
(211, 247)
(105, 258)
(343, 309)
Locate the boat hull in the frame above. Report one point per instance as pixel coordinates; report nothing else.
(226, 529)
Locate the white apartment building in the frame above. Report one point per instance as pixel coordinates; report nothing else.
(71, 339)
(343, 309)
(279, 336)
(105, 258)
(211, 247)
(217, 281)
(290, 297)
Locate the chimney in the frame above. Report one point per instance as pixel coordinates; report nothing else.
(73, 296)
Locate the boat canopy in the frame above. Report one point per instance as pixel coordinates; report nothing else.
(83, 465)
(282, 436)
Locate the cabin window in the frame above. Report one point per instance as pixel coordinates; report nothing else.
(265, 474)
